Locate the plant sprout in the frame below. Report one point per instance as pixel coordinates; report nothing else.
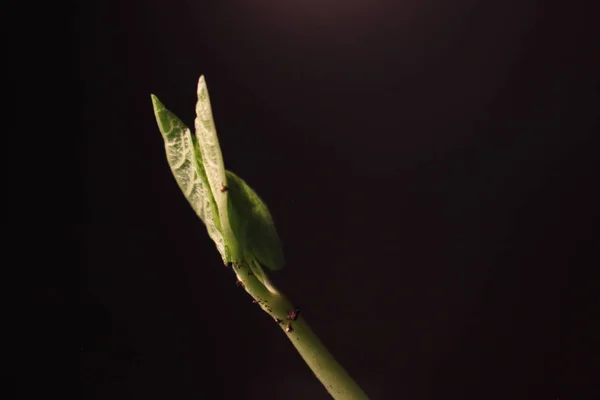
(241, 226)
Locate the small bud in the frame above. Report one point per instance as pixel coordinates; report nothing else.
(277, 320)
(288, 327)
(293, 315)
(223, 188)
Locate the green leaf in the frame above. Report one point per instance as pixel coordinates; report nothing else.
(212, 159)
(185, 161)
(253, 225)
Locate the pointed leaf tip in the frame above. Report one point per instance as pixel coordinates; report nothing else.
(202, 89)
(164, 118)
(155, 101)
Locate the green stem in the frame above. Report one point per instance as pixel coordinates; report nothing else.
(332, 375)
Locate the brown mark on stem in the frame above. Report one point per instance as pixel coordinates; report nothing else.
(293, 315)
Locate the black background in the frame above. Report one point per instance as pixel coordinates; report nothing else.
(428, 165)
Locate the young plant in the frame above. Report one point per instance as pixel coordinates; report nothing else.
(241, 226)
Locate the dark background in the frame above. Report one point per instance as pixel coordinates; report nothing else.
(428, 165)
